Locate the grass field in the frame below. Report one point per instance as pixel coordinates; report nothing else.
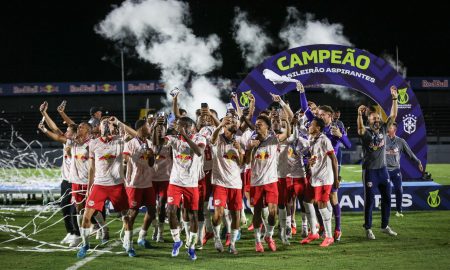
(423, 243)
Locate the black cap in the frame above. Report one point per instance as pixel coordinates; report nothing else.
(95, 109)
(139, 123)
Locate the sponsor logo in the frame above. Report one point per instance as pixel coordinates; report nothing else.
(49, 88)
(244, 100)
(231, 155)
(133, 203)
(433, 199)
(262, 155)
(217, 202)
(91, 203)
(169, 199)
(403, 99)
(435, 84)
(107, 157)
(409, 123)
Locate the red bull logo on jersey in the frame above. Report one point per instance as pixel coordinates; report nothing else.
(160, 157)
(80, 157)
(231, 155)
(262, 155)
(183, 158)
(107, 157)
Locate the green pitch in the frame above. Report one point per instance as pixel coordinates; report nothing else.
(423, 243)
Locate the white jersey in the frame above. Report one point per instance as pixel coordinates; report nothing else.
(283, 166)
(65, 167)
(187, 166)
(163, 163)
(79, 165)
(108, 160)
(322, 171)
(207, 132)
(265, 162)
(295, 157)
(139, 174)
(245, 138)
(226, 170)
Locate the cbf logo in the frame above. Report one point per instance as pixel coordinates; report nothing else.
(433, 199)
(409, 123)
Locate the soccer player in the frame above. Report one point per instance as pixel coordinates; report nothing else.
(106, 181)
(324, 175)
(139, 156)
(375, 174)
(161, 174)
(262, 152)
(395, 146)
(226, 178)
(66, 187)
(187, 151)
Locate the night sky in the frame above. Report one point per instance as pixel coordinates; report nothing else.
(54, 41)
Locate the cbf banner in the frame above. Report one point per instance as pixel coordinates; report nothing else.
(416, 196)
(344, 66)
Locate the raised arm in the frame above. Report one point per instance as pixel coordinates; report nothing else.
(51, 124)
(283, 136)
(52, 135)
(238, 108)
(336, 131)
(127, 129)
(252, 105)
(175, 110)
(287, 110)
(63, 114)
(304, 101)
(361, 128)
(215, 135)
(394, 108)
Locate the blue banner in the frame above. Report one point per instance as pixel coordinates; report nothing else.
(416, 196)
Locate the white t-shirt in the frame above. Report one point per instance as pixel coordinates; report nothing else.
(65, 168)
(295, 158)
(207, 132)
(226, 170)
(283, 166)
(265, 162)
(108, 160)
(163, 163)
(79, 165)
(322, 171)
(187, 166)
(139, 174)
(245, 138)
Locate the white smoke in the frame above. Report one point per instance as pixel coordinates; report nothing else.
(301, 32)
(342, 92)
(400, 67)
(251, 38)
(159, 31)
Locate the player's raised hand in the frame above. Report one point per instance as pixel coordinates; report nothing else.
(394, 92)
(300, 87)
(44, 106)
(275, 98)
(62, 106)
(362, 110)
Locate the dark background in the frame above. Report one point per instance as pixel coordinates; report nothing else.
(54, 41)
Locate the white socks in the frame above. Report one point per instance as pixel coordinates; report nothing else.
(193, 237)
(311, 214)
(326, 217)
(142, 234)
(283, 221)
(84, 232)
(257, 235)
(234, 236)
(128, 239)
(207, 213)
(216, 230)
(186, 228)
(175, 235)
(227, 216)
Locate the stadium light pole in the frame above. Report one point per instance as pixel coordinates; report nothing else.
(124, 117)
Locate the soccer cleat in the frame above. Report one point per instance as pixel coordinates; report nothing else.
(369, 234)
(285, 242)
(218, 245)
(176, 248)
(228, 239)
(311, 237)
(208, 236)
(144, 243)
(327, 241)
(131, 252)
(271, 243)
(250, 228)
(304, 232)
(66, 239)
(259, 247)
(388, 231)
(337, 235)
(199, 247)
(191, 253)
(399, 214)
(82, 252)
(232, 249)
(76, 240)
(294, 230)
